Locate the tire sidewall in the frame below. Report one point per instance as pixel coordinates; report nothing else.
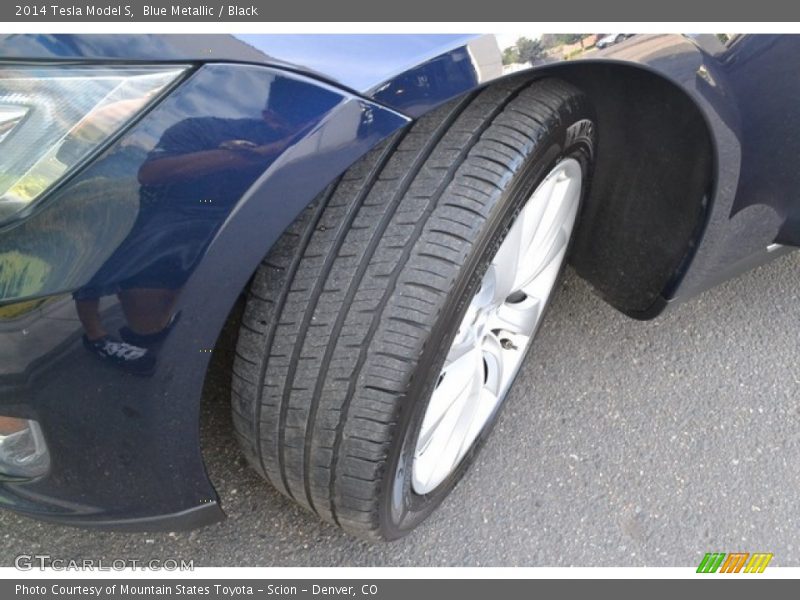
(573, 136)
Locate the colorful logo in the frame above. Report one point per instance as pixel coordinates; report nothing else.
(733, 563)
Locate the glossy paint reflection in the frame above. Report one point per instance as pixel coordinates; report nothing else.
(189, 182)
(763, 75)
(424, 87)
(171, 191)
(331, 57)
(141, 247)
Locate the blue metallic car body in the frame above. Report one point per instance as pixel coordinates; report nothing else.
(125, 450)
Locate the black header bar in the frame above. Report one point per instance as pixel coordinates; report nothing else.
(452, 11)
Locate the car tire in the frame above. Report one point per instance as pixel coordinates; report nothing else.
(350, 319)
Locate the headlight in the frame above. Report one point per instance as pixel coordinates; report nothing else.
(52, 118)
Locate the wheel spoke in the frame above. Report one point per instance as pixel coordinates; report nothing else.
(504, 266)
(452, 453)
(456, 383)
(550, 238)
(541, 260)
(516, 318)
(487, 403)
(457, 352)
(534, 210)
(494, 360)
(550, 227)
(442, 438)
(456, 375)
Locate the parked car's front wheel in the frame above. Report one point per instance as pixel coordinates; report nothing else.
(383, 331)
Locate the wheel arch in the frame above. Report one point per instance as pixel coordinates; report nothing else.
(643, 217)
(652, 186)
(663, 108)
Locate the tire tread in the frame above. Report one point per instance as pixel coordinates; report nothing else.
(339, 312)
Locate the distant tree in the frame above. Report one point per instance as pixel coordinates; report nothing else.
(551, 40)
(529, 50)
(510, 56)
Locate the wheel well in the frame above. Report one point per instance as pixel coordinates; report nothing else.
(652, 183)
(651, 187)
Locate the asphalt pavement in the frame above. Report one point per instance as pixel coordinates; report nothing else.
(622, 444)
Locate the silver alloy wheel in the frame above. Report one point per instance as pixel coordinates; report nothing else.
(498, 327)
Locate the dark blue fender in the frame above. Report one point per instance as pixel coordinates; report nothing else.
(125, 449)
